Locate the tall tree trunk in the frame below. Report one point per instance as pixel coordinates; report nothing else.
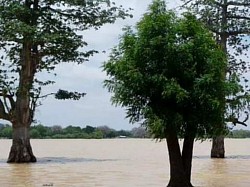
(178, 177)
(21, 150)
(22, 117)
(187, 155)
(218, 149)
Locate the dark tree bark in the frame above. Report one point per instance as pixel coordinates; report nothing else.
(22, 117)
(180, 173)
(187, 155)
(23, 111)
(218, 149)
(21, 150)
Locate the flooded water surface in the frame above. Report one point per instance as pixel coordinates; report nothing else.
(121, 163)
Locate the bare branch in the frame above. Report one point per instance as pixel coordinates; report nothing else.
(182, 6)
(10, 98)
(231, 33)
(219, 4)
(239, 122)
(44, 96)
(235, 33)
(238, 17)
(60, 12)
(236, 121)
(3, 114)
(234, 3)
(237, 98)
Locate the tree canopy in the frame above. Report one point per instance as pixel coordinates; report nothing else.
(35, 36)
(168, 72)
(38, 35)
(230, 23)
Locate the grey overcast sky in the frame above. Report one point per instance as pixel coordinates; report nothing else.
(95, 108)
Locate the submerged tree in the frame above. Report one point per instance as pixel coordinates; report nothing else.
(35, 36)
(168, 74)
(230, 23)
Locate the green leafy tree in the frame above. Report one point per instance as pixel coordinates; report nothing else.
(89, 129)
(43, 130)
(56, 129)
(35, 36)
(230, 23)
(97, 134)
(71, 130)
(107, 131)
(167, 74)
(139, 132)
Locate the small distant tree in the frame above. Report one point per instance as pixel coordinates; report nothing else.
(56, 129)
(72, 130)
(107, 131)
(168, 74)
(35, 36)
(97, 134)
(139, 132)
(89, 129)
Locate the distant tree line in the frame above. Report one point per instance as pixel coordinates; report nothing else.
(239, 134)
(76, 132)
(89, 132)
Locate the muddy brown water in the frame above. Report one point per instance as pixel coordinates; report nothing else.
(121, 163)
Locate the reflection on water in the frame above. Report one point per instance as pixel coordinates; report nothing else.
(121, 162)
(227, 157)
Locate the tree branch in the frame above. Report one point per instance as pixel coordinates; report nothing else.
(236, 121)
(234, 3)
(60, 12)
(230, 33)
(10, 98)
(219, 4)
(44, 96)
(186, 3)
(236, 98)
(241, 122)
(235, 33)
(3, 114)
(238, 17)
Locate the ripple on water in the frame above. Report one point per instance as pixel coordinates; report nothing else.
(245, 157)
(64, 160)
